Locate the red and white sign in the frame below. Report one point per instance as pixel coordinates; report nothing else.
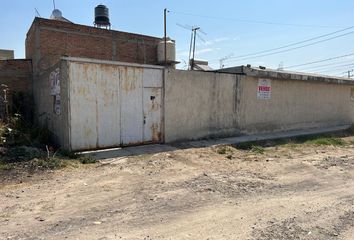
(264, 89)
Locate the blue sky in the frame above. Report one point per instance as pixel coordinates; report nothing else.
(232, 28)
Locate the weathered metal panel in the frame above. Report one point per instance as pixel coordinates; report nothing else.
(152, 114)
(83, 105)
(108, 107)
(95, 114)
(131, 82)
(152, 78)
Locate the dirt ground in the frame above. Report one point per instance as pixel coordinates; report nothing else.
(286, 192)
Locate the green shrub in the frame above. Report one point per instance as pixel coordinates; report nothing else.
(221, 150)
(327, 141)
(47, 163)
(257, 149)
(87, 160)
(21, 154)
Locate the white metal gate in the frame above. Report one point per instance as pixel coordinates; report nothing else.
(114, 105)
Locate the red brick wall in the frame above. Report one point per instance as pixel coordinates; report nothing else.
(48, 40)
(16, 74)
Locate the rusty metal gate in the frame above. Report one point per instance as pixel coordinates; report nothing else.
(114, 105)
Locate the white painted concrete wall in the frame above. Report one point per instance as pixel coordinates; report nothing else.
(204, 104)
(294, 105)
(200, 104)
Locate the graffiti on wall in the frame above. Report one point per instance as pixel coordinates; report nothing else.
(54, 80)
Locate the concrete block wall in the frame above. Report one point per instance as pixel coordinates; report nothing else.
(48, 40)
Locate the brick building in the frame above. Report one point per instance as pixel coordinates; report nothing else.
(48, 40)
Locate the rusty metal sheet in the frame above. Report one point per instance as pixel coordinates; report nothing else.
(152, 77)
(94, 106)
(109, 105)
(152, 114)
(83, 121)
(131, 82)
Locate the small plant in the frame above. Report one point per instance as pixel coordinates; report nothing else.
(47, 163)
(222, 150)
(257, 149)
(87, 160)
(244, 145)
(327, 141)
(5, 166)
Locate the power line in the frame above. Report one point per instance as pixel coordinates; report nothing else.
(334, 66)
(332, 70)
(254, 21)
(327, 65)
(323, 60)
(293, 44)
(295, 48)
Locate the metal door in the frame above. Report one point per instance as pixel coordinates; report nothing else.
(131, 114)
(152, 115)
(94, 98)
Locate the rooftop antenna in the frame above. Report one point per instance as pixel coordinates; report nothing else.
(349, 72)
(54, 4)
(194, 34)
(281, 66)
(37, 13)
(222, 60)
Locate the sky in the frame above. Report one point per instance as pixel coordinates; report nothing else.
(231, 29)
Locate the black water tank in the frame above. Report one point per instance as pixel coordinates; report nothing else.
(102, 16)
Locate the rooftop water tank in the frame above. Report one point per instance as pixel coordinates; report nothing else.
(56, 14)
(170, 51)
(102, 16)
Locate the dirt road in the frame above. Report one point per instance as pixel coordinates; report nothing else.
(286, 192)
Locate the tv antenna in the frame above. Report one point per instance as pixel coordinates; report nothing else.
(194, 33)
(37, 13)
(350, 73)
(281, 66)
(222, 60)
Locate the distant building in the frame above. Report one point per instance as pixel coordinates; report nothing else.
(6, 54)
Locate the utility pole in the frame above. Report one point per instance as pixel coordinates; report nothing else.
(190, 51)
(194, 30)
(165, 33)
(349, 73)
(194, 34)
